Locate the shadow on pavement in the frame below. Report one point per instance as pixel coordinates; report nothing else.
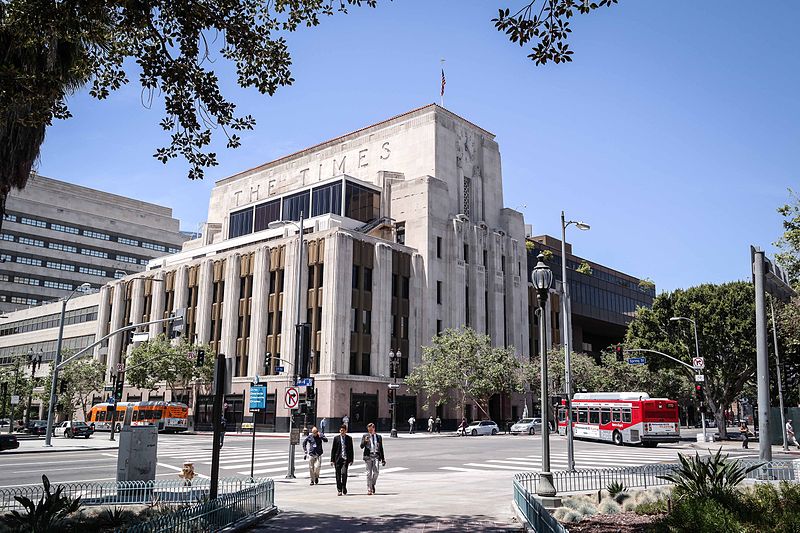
(404, 523)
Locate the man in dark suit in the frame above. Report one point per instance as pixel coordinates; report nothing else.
(372, 444)
(342, 458)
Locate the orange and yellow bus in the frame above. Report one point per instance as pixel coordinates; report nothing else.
(168, 416)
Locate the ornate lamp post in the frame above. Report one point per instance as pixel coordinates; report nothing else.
(394, 361)
(542, 278)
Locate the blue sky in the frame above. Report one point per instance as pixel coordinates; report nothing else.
(674, 132)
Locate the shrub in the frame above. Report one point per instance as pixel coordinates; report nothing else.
(702, 515)
(615, 488)
(46, 515)
(572, 516)
(714, 477)
(609, 507)
(649, 508)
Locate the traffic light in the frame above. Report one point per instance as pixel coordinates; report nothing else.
(303, 346)
(620, 353)
(63, 386)
(700, 393)
(118, 388)
(201, 357)
(267, 357)
(178, 323)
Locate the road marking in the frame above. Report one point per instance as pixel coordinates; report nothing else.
(501, 467)
(459, 469)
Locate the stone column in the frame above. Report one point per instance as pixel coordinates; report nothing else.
(103, 318)
(290, 284)
(205, 282)
(181, 286)
(381, 310)
(416, 329)
(230, 307)
(157, 303)
(258, 312)
(117, 315)
(137, 300)
(336, 302)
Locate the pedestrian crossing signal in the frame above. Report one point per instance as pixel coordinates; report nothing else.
(620, 353)
(201, 357)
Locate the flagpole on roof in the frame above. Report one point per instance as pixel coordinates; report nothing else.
(441, 94)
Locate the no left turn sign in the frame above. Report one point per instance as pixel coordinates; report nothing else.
(291, 398)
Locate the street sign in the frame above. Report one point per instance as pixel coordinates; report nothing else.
(279, 369)
(699, 378)
(306, 382)
(394, 386)
(699, 363)
(108, 388)
(637, 360)
(120, 367)
(291, 398)
(247, 425)
(258, 398)
(141, 337)
(14, 399)
(294, 436)
(111, 399)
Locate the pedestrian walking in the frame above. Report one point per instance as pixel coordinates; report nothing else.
(411, 422)
(223, 425)
(462, 427)
(322, 425)
(743, 429)
(312, 447)
(437, 424)
(342, 458)
(346, 421)
(372, 444)
(790, 437)
(430, 424)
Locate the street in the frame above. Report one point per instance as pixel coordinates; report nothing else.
(426, 476)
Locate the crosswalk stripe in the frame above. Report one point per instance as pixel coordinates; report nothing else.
(459, 469)
(500, 467)
(322, 471)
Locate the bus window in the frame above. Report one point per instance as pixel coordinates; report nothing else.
(616, 415)
(594, 416)
(605, 416)
(583, 416)
(156, 414)
(626, 415)
(562, 415)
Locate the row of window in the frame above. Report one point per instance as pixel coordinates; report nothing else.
(88, 233)
(46, 348)
(50, 284)
(73, 249)
(69, 267)
(73, 316)
(596, 415)
(604, 299)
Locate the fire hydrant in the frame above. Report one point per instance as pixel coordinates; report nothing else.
(187, 473)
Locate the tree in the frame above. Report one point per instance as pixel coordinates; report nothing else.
(789, 243)
(17, 382)
(82, 379)
(158, 360)
(52, 49)
(464, 362)
(725, 318)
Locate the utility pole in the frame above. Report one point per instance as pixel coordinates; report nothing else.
(762, 359)
(219, 392)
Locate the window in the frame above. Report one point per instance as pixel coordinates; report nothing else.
(406, 281)
(438, 292)
(10, 218)
(295, 205)
(61, 266)
(438, 247)
(594, 416)
(97, 272)
(129, 242)
(62, 247)
(400, 232)
(438, 327)
(266, 213)
(127, 259)
(616, 415)
(466, 253)
(64, 229)
(354, 320)
(143, 261)
(361, 203)
(173, 250)
(467, 196)
(96, 235)
(367, 279)
(57, 285)
(5, 257)
(366, 325)
(241, 223)
(33, 222)
(503, 263)
(27, 261)
(626, 415)
(605, 416)
(355, 277)
(485, 258)
(7, 237)
(583, 416)
(94, 253)
(327, 199)
(24, 301)
(26, 281)
(154, 246)
(31, 242)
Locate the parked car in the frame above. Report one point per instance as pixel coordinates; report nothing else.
(8, 442)
(527, 425)
(4, 422)
(482, 427)
(36, 427)
(72, 428)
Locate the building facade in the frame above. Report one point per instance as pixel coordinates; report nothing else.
(56, 236)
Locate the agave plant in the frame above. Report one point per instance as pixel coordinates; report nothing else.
(614, 488)
(46, 515)
(713, 477)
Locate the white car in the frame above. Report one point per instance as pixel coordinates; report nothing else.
(482, 427)
(527, 425)
(72, 429)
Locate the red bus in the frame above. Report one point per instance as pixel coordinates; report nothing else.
(622, 418)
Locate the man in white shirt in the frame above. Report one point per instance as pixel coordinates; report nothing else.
(372, 444)
(790, 437)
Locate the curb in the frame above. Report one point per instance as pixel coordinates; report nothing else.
(54, 450)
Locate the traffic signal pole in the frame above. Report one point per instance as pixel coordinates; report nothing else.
(219, 392)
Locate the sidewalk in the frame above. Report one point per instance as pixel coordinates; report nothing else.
(60, 444)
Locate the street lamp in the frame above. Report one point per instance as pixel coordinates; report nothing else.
(542, 278)
(566, 314)
(273, 225)
(697, 354)
(52, 405)
(394, 361)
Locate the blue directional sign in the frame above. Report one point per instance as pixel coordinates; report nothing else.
(637, 360)
(307, 382)
(278, 369)
(258, 398)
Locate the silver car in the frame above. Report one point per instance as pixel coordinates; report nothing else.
(527, 425)
(482, 427)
